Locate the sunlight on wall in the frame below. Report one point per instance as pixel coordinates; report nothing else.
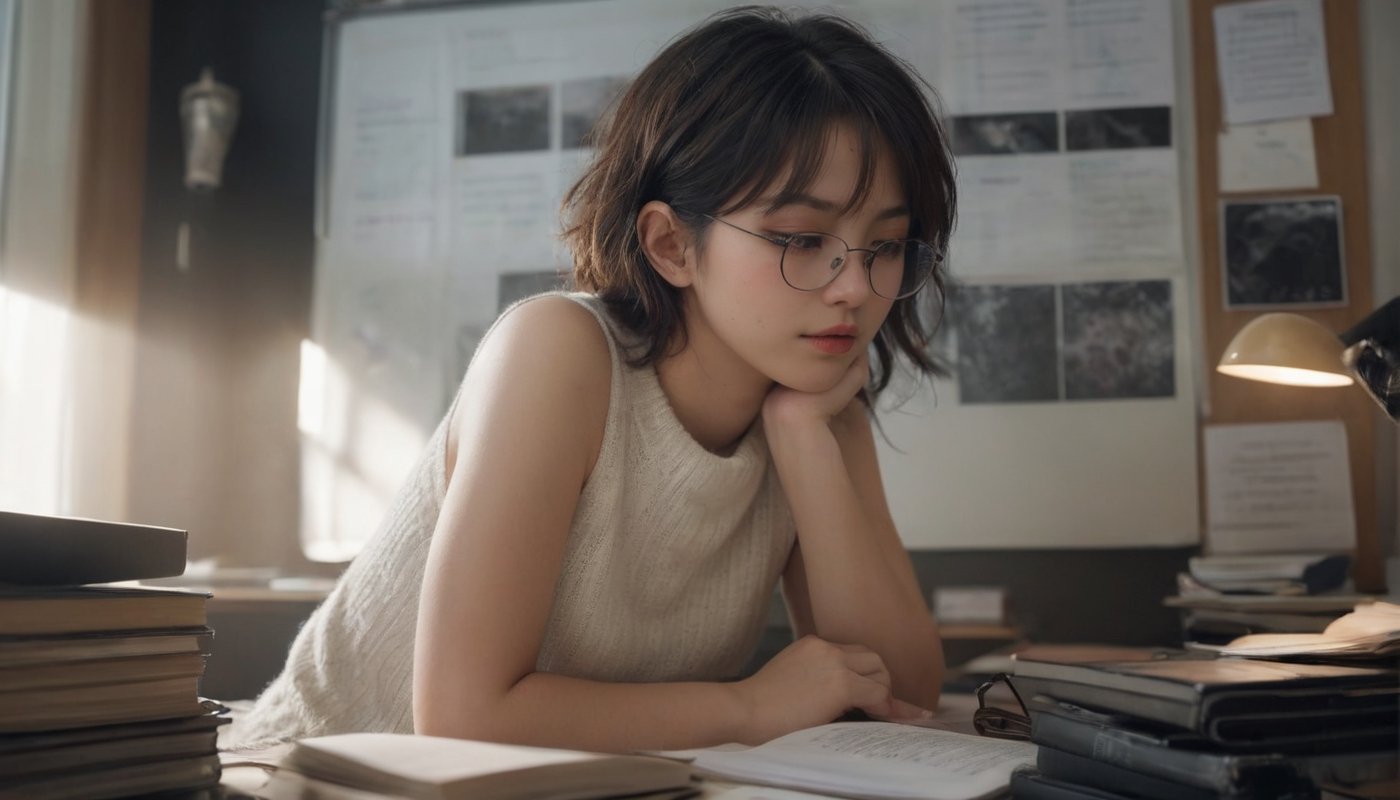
(33, 405)
(355, 451)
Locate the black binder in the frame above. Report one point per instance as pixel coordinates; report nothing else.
(1082, 771)
(1164, 753)
(1248, 705)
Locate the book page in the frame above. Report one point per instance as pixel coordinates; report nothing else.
(876, 760)
(1372, 629)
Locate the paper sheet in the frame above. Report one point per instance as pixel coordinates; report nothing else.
(1273, 60)
(1268, 155)
(1003, 56)
(1117, 55)
(1278, 487)
(1054, 214)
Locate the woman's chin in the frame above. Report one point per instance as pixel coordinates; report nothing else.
(809, 384)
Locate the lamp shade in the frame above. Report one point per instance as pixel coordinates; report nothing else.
(1286, 348)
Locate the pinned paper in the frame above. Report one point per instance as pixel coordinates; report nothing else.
(1279, 488)
(1268, 156)
(1273, 60)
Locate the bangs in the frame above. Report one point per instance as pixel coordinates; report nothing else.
(786, 142)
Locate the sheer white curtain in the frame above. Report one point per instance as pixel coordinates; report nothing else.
(41, 77)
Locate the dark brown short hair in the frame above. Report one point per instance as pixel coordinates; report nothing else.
(713, 121)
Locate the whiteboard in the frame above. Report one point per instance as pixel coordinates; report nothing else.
(450, 135)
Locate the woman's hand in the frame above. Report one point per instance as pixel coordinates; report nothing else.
(812, 682)
(788, 406)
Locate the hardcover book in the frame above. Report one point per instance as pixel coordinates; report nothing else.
(48, 754)
(58, 551)
(185, 774)
(99, 671)
(101, 704)
(89, 609)
(18, 651)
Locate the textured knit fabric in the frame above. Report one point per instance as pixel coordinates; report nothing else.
(672, 558)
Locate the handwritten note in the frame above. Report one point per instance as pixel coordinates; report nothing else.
(1273, 60)
(1268, 155)
(1279, 487)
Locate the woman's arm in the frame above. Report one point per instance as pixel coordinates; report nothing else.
(528, 429)
(850, 578)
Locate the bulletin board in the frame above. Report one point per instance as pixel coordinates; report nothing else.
(1340, 151)
(450, 133)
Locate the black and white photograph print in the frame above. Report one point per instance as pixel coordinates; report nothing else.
(513, 286)
(1285, 252)
(1118, 128)
(1005, 343)
(1118, 340)
(1006, 134)
(512, 119)
(582, 103)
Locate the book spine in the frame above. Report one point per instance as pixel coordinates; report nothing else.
(1090, 772)
(1029, 784)
(1155, 709)
(1211, 771)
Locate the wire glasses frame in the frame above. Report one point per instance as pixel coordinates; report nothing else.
(811, 260)
(999, 723)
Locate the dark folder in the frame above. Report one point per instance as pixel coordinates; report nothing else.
(1247, 704)
(1089, 772)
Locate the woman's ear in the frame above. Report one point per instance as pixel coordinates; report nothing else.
(667, 243)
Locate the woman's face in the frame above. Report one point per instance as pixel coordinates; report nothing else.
(804, 340)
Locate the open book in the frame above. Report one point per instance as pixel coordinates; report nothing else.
(364, 765)
(874, 760)
(1372, 630)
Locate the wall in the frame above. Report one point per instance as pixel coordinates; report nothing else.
(214, 422)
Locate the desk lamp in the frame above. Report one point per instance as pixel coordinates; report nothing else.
(1294, 350)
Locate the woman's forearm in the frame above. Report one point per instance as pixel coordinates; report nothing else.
(860, 587)
(549, 710)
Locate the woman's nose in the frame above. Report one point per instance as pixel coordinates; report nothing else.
(852, 283)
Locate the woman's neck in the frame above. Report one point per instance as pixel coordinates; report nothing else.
(715, 395)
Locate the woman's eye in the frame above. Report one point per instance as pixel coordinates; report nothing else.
(892, 250)
(805, 241)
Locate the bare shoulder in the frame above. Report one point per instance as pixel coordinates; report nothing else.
(544, 372)
(548, 326)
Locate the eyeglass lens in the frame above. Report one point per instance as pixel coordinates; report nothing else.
(897, 268)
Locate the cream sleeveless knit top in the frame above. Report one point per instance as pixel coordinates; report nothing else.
(672, 558)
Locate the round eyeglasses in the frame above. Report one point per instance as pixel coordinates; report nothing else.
(897, 268)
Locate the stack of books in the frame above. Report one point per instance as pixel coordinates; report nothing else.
(1286, 574)
(1176, 724)
(1225, 597)
(99, 684)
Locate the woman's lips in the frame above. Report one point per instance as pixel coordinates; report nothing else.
(832, 344)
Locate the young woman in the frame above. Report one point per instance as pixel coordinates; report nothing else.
(585, 555)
